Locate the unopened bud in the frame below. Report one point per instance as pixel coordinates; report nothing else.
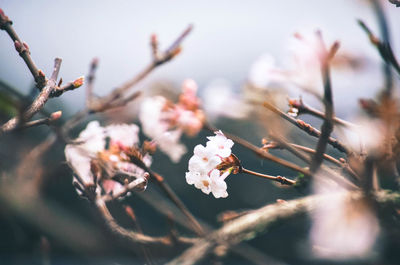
(129, 211)
(153, 39)
(56, 115)
(25, 46)
(18, 46)
(78, 82)
(176, 51)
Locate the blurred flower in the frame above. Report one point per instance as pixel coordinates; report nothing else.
(210, 165)
(264, 71)
(304, 60)
(367, 136)
(343, 228)
(107, 152)
(164, 121)
(220, 101)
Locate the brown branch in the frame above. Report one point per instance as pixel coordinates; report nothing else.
(23, 50)
(44, 121)
(307, 128)
(326, 170)
(178, 203)
(38, 103)
(259, 152)
(136, 184)
(385, 51)
(90, 81)
(132, 236)
(304, 108)
(58, 91)
(327, 125)
(117, 93)
(282, 180)
(257, 222)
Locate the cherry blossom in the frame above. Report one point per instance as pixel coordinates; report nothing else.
(92, 151)
(204, 166)
(164, 121)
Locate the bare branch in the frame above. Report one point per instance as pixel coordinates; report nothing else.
(38, 103)
(307, 128)
(258, 221)
(23, 50)
(327, 125)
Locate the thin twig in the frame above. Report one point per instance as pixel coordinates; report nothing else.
(23, 50)
(38, 103)
(259, 221)
(44, 121)
(128, 234)
(327, 125)
(282, 180)
(90, 81)
(261, 153)
(304, 108)
(307, 128)
(384, 30)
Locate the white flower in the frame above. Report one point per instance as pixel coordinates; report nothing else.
(91, 145)
(203, 172)
(221, 143)
(218, 184)
(124, 134)
(204, 159)
(200, 181)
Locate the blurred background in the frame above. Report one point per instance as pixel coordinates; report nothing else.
(228, 37)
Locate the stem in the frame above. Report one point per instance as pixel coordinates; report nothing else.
(261, 153)
(279, 179)
(306, 127)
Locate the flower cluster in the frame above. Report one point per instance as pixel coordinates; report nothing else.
(165, 121)
(102, 157)
(210, 165)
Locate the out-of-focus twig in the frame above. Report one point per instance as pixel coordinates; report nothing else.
(258, 221)
(131, 235)
(384, 49)
(327, 126)
(307, 128)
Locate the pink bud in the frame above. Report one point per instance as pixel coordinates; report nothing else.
(18, 46)
(56, 115)
(153, 38)
(78, 82)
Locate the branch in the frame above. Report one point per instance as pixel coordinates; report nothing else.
(327, 125)
(307, 128)
(259, 221)
(116, 94)
(134, 237)
(38, 103)
(23, 50)
(282, 180)
(44, 121)
(303, 108)
(261, 153)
